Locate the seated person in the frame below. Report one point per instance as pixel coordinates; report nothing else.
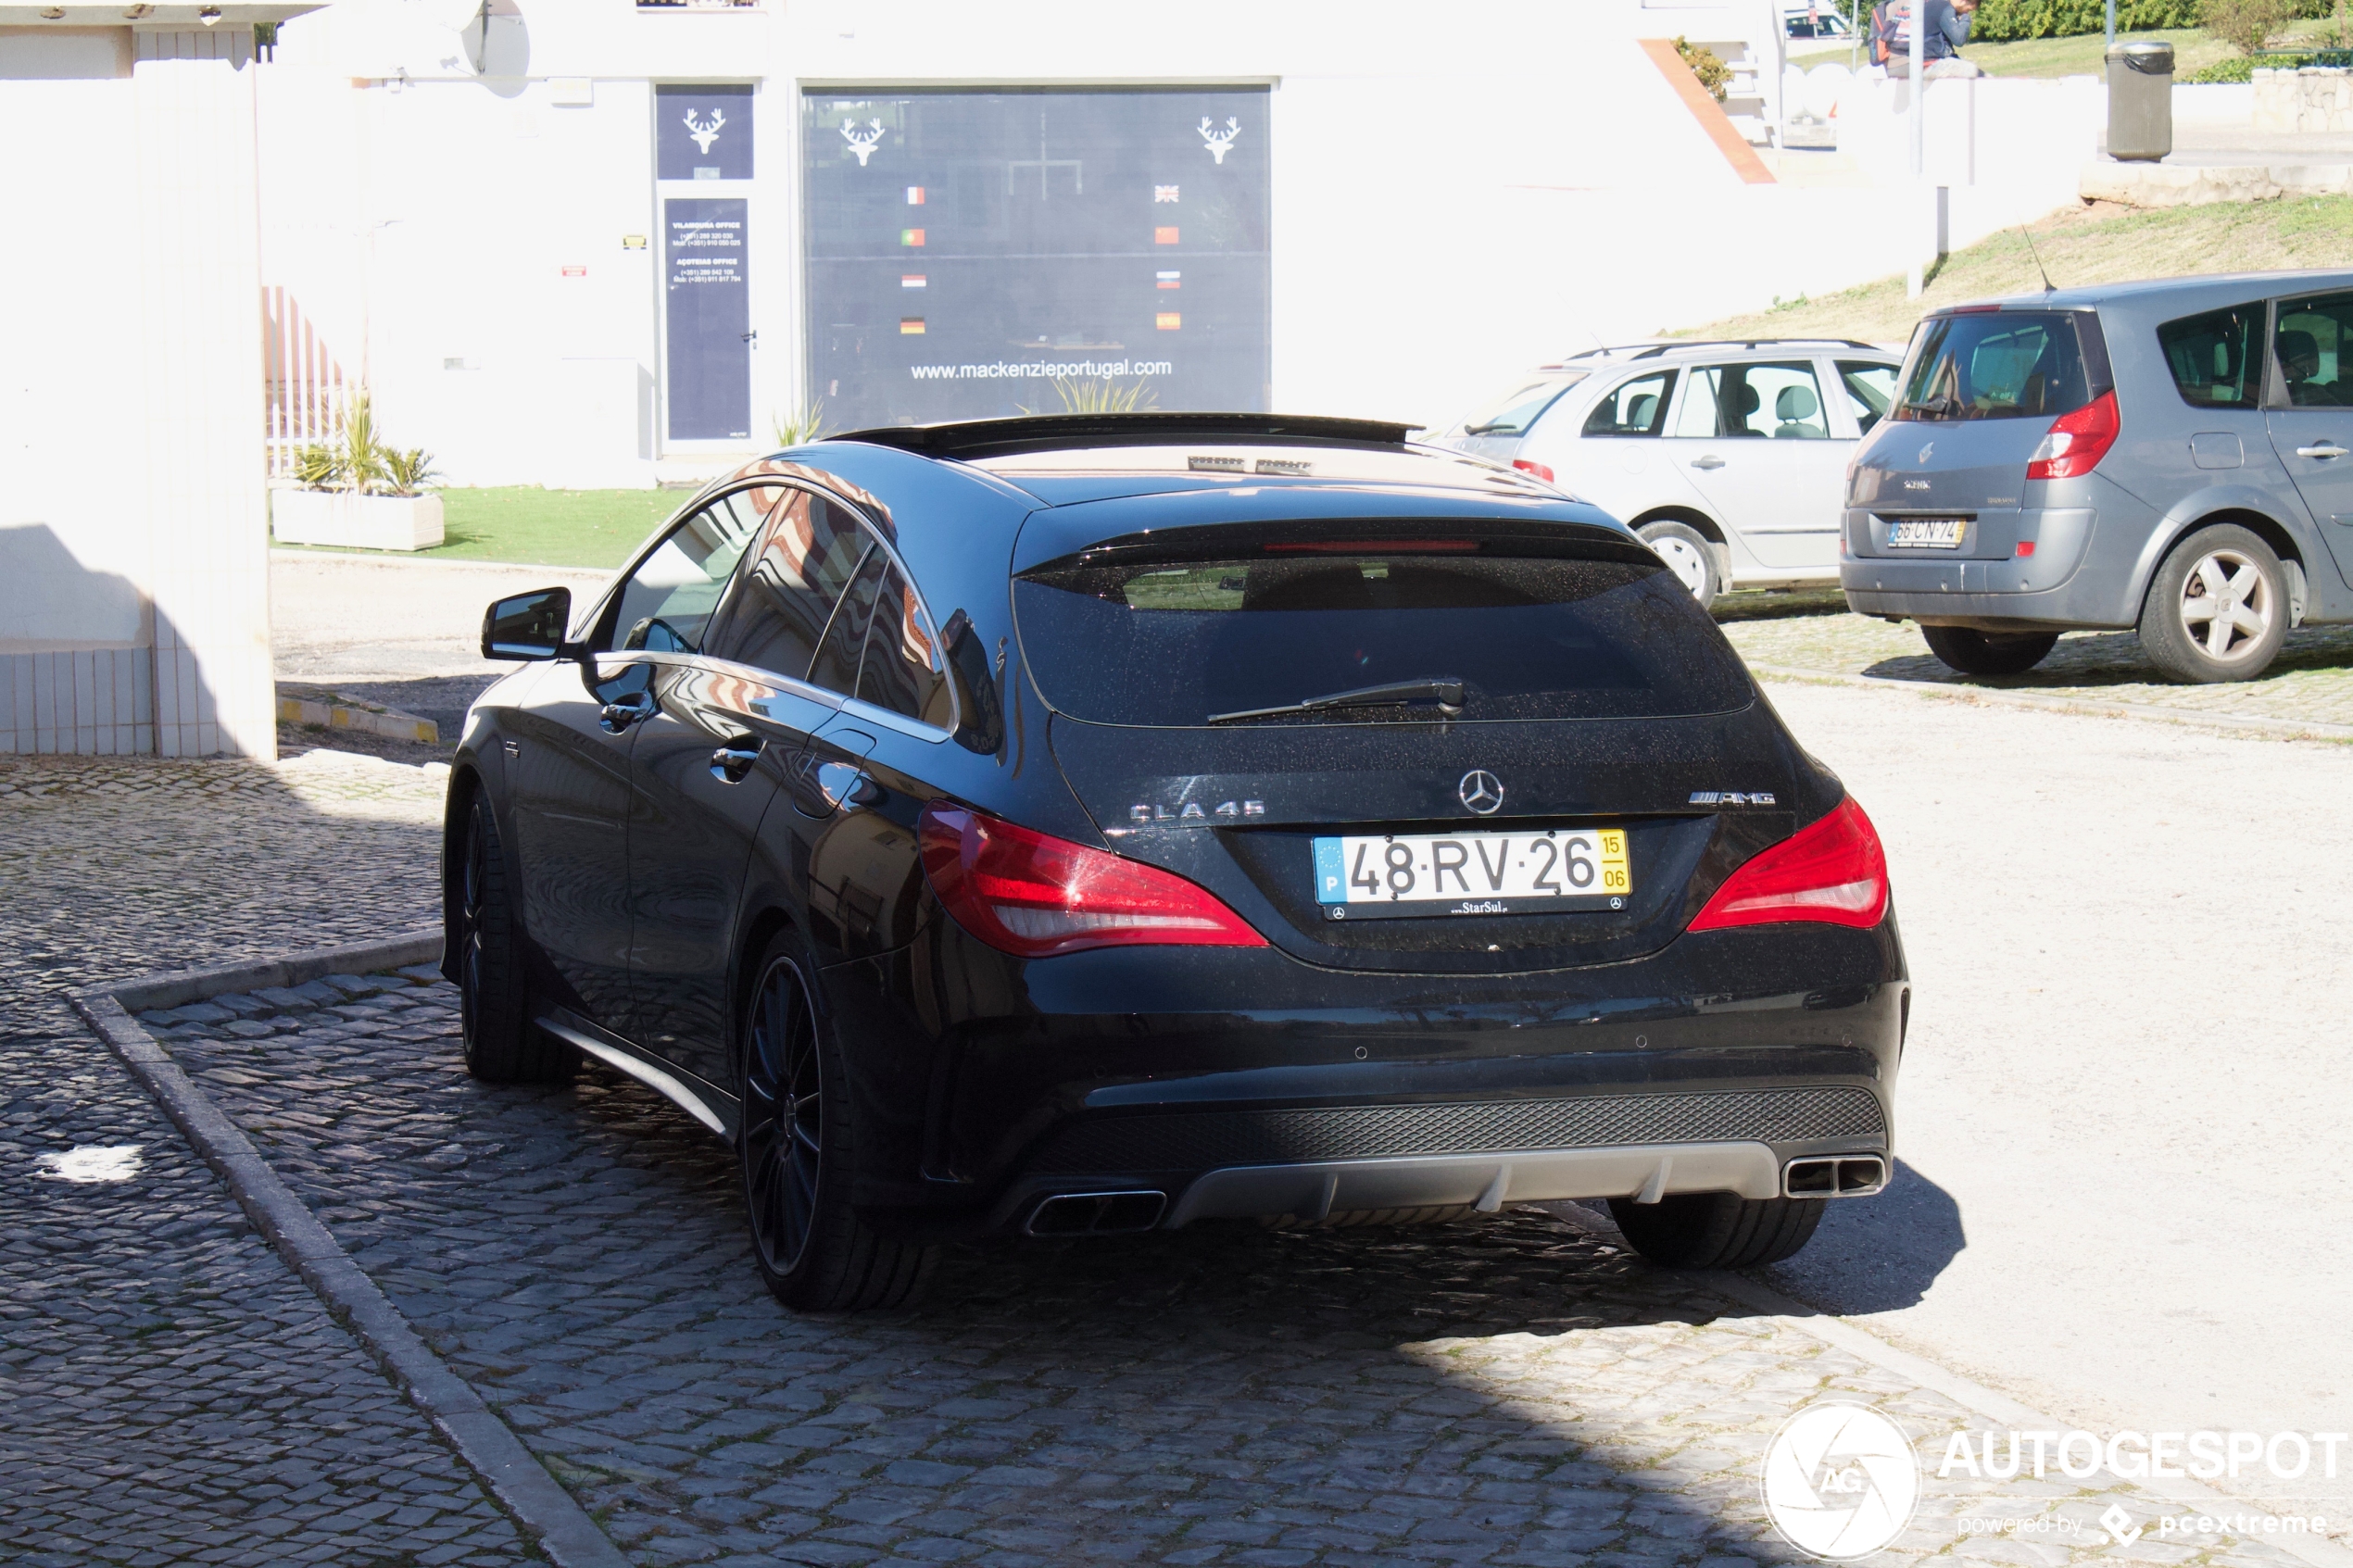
(2300, 355)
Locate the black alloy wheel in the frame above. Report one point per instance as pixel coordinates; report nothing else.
(502, 1045)
(794, 1147)
(784, 1128)
(1718, 1230)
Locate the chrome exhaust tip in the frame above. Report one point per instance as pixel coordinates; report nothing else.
(1835, 1175)
(1097, 1213)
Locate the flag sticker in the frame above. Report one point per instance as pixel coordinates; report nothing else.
(914, 196)
(1171, 280)
(913, 281)
(1163, 192)
(911, 326)
(1169, 320)
(1166, 236)
(915, 236)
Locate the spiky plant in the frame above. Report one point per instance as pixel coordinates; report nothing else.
(798, 427)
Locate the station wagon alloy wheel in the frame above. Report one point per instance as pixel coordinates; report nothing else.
(2227, 606)
(784, 1127)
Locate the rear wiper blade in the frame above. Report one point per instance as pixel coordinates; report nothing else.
(1444, 690)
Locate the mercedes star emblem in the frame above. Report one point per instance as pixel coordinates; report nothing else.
(1481, 791)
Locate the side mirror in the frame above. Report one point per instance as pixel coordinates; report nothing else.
(528, 626)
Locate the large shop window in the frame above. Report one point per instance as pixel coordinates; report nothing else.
(977, 255)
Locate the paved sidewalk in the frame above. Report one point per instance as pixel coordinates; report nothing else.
(172, 1393)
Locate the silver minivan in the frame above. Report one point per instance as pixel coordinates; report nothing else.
(2175, 457)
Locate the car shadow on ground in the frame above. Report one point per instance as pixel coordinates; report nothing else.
(2114, 658)
(1514, 1386)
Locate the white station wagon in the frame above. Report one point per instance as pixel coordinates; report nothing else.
(1729, 457)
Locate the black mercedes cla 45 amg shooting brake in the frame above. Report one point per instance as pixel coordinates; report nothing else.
(1089, 825)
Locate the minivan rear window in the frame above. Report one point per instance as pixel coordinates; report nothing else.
(1995, 364)
(1171, 643)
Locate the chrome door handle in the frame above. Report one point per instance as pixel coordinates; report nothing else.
(2325, 450)
(731, 762)
(1710, 461)
(842, 785)
(615, 718)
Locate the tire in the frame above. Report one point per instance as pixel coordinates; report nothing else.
(1689, 555)
(1718, 1230)
(795, 1152)
(1989, 652)
(2224, 567)
(493, 1002)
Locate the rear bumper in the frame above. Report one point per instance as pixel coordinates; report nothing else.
(1991, 593)
(1205, 1083)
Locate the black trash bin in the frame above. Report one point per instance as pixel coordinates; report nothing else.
(2140, 101)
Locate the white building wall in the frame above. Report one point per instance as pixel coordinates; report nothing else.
(1456, 197)
(133, 582)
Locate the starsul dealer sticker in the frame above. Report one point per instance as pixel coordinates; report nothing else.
(1840, 1481)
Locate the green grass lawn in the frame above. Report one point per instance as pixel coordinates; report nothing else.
(534, 527)
(2194, 49)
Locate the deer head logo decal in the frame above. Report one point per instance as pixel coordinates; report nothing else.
(863, 143)
(704, 135)
(1220, 142)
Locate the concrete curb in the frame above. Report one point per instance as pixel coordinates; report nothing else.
(369, 719)
(485, 1442)
(2056, 702)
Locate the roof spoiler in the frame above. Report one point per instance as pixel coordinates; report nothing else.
(975, 438)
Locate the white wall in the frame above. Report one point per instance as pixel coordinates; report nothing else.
(1456, 197)
(134, 595)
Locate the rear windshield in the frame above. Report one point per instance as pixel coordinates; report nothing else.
(1171, 644)
(1996, 365)
(1513, 413)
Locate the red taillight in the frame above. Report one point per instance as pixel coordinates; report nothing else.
(1834, 871)
(2077, 442)
(2025, 548)
(1032, 896)
(1538, 469)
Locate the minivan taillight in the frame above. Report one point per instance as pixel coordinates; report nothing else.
(1033, 895)
(2078, 441)
(1832, 871)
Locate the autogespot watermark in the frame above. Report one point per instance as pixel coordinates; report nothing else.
(1842, 1481)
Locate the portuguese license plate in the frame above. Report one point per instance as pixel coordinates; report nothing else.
(1927, 533)
(1390, 876)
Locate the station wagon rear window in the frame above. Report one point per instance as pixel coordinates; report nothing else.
(1176, 644)
(1995, 365)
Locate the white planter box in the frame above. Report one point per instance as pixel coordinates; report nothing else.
(359, 522)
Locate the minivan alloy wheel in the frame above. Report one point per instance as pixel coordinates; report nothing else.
(2227, 606)
(783, 1125)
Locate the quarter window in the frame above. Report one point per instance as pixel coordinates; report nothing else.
(903, 671)
(667, 604)
(2311, 345)
(1871, 390)
(2213, 356)
(1639, 407)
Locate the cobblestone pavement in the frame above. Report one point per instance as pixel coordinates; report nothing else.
(1517, 1391)
(2312, 680)
(171, 1392)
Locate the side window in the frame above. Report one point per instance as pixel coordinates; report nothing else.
(666, 606)
(2311, 345)
(788, 590)
(2213, 358)
(903, 671)
(1871, 390)
(1639, 407)
(835, 666)
(1701, 389)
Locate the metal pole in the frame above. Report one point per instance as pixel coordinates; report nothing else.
(2111, 21)
(1913, 282)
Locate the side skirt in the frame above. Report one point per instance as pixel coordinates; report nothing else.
(715, 1107)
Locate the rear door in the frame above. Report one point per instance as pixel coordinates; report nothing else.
(1610, 453)
(2311, 417)
(1602, 721)
(1755, 438)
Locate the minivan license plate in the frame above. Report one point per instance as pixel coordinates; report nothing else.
(1927, 533)
(1385, 876)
